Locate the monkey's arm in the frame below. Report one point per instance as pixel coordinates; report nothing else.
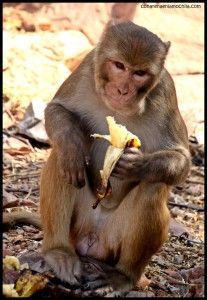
(67, 130)
(64, 130)
(168, 166)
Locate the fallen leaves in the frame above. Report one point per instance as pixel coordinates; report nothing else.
(9, 200)
(14, 146)
(177, 229)
(28, 284)
(192, 278)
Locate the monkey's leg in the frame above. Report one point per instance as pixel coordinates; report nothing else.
(145, 222)
(56, 207)
(138, 228)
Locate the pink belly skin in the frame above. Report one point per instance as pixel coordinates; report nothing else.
(90, 245)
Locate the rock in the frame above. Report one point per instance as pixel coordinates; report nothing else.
(7, 121)
(31, 69)
(73, 43)
(175, 211)
(178, 229)
(73, 63)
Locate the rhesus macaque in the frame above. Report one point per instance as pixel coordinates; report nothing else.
(124, 77)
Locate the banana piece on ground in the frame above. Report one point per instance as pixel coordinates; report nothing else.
(120, 138)
(11, 262)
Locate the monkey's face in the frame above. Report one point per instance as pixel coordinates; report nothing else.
(129, 61)
(123, 84)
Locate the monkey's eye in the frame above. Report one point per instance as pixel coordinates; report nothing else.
(140, 72)
(119, 65)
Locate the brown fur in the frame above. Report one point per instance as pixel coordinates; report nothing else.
(128, 227)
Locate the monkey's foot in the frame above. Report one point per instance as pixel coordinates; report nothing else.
(103, 279)
(66, 266)
(103, 289)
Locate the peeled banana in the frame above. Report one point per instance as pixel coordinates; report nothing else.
(120, 138)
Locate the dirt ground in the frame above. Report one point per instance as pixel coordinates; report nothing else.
(42, 58)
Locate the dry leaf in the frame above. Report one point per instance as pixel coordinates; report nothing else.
(14, 146)
(9, 200)
(28, 283)
(178, 229)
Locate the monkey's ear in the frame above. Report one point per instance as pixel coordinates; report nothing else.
(167, 45)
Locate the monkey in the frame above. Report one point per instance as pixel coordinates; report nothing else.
(123, 76)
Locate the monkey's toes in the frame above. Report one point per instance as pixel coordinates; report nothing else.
(105, 291)
(65, 266)
(92, 285)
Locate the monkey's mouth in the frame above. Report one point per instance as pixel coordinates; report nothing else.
(121, 106)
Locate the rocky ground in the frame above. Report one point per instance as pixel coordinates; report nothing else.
(41, 48)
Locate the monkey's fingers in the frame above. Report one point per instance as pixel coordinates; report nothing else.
(78, 179)
(133, 150)
(95, 284)
(127, 159)
(117, 175)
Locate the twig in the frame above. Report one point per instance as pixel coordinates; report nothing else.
(195, 242)
(31, 174)
(197, 172)
(11, 116)
(16, 136)
(191, 206)
(29, 193)
(194, 181)
(22, 190)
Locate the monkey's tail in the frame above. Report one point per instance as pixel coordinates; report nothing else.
(21, 217)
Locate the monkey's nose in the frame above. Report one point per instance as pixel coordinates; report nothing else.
(123, 91)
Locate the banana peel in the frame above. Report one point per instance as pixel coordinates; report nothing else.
(11, 262)
(119, 138)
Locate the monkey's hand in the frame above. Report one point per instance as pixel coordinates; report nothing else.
(128, 165)
(169, 166)
(71, 161)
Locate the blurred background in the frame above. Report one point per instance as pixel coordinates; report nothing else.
(42, 44)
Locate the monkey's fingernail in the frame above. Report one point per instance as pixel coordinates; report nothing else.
(86, 286)
(87, 160)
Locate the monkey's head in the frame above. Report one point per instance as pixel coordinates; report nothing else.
(128, 62)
